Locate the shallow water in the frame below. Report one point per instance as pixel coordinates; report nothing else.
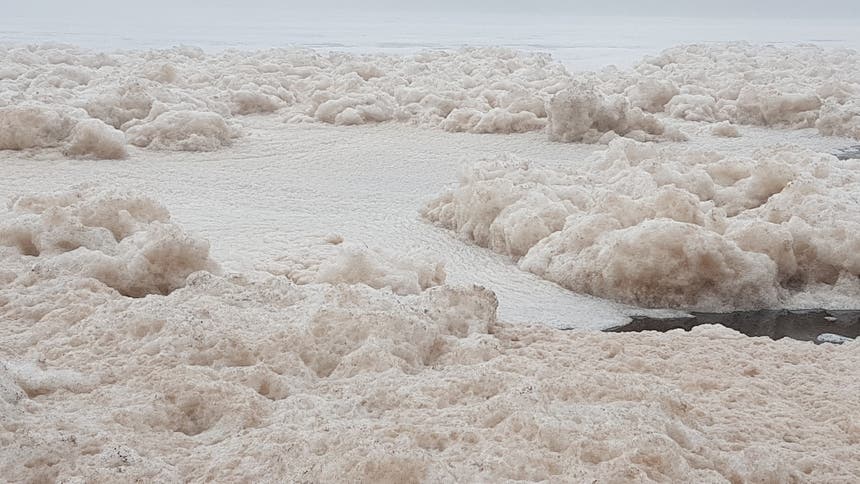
(848, 153)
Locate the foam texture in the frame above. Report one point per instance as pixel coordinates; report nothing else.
(670, 227)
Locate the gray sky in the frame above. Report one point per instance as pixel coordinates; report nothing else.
(701, 8)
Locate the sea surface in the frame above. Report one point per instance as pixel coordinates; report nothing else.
(581, 42)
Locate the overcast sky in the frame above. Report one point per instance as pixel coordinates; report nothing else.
(702, 8)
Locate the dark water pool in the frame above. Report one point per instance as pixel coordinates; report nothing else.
(775, 324)
(848, 153)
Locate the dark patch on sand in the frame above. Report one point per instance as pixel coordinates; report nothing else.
(852, 152)
(775, 324)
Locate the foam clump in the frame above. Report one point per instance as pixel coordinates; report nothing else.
(353, 109)
(840, 119)
(183, 131)
(496, 120)
(151, 95)
(25, 380)
(725, 129)
(255, 102)
(94, 139)
(657, 263)
(486, 90)
(252, 377)
(790, 87)
(339, 262)
(28, 127)
(670, 228)
(170, 100)
(584, 114)
(831, 338)
(124, 240)
(25, 127)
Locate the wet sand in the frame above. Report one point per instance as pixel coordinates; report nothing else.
(852, 152)
(775, 324)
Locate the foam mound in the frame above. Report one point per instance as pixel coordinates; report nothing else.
(791, 87)
(91, 138)
(123, 240)
(185, 99)
(584, 114)
(487, 90)
(725, 129)
(840, 119)
(27, 127)
(339, 262)
(672, 228)
(182, 131)
(255, 378)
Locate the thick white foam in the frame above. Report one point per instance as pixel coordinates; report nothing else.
(757, 85)
(346, 381)
(251, 376)
(184, 99)
(181, 99)
(669, 227)
(126, 241)
(339, 262)
(585, 114)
